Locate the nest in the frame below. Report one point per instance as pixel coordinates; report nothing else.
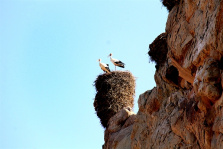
(158, 49)
(115, 91)
(170, 3)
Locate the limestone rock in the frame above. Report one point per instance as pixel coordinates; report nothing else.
(117, 135)
(185, 109)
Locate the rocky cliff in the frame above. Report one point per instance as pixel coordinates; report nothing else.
(184, 110)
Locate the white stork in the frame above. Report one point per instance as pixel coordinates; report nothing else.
(116, 62)
(104, 66)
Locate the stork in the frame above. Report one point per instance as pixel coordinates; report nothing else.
(116, 62)
(104, 67)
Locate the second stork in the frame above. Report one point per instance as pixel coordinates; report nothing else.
(116, 62)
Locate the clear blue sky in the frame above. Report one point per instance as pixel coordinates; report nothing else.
(48, 63)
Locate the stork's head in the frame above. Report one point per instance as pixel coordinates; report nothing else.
(99, 60)
(110, 54)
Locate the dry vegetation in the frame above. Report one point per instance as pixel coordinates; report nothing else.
(115, 91)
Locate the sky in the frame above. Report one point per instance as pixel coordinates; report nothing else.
(49, 51)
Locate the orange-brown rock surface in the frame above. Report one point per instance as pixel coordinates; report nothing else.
(184, 110)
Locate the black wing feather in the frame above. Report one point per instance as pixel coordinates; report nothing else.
(120, 64)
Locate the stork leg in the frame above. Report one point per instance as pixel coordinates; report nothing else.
(115, 68)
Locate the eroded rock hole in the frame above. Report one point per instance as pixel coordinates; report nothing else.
(221, 63)
(172, 74)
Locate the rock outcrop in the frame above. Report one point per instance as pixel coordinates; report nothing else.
(184, 110)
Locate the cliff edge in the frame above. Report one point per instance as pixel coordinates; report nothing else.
(184, 110)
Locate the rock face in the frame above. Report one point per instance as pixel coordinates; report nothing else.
(184, 110)
(118, 133)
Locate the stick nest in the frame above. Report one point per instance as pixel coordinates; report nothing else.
(158, 49)
(170, 3)
(115, 91)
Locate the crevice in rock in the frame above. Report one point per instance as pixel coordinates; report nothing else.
(221, 63)
(172, 74)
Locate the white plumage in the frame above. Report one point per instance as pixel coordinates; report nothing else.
(116, 62)
(104, 67)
